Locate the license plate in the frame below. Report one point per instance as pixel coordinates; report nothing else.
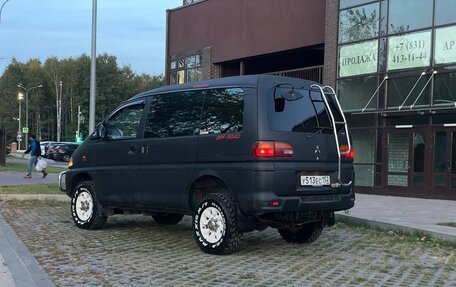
(315, 180)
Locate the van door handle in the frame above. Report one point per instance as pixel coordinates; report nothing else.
(132, 150)
(145, 149)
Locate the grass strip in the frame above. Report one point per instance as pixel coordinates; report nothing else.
(449, 224)
(19, 167)
(31, 189)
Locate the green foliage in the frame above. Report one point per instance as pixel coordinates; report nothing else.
(31, 189)
(114, 85)
(22, 167)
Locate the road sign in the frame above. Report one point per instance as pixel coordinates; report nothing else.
(25, 130)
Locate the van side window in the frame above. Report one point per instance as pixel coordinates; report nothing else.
(125, 123)
(223, 111)
(173, 115)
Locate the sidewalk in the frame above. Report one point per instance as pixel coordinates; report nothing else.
(409, 215)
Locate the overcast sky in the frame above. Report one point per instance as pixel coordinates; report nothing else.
(134, 31)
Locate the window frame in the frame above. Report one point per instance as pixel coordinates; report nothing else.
(117, 111)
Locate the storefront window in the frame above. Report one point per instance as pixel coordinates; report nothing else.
(445, 12)
(445, 45)
(444, 91)
(351, 3)
(359, 23)
(358, 59)
(408, 15)
(411, 50)
(355, 93)
(364, 144)
(403, 92)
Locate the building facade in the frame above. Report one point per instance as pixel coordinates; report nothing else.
(393, 63)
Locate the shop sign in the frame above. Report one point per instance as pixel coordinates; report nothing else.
(409, 51)
(445, 45)
(358, 59)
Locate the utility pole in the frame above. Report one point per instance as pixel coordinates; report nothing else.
(59, 112)
(93, 68)
(78, 132)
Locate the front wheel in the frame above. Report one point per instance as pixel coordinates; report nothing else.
(85, 207)
(215, 226)
(306, 233)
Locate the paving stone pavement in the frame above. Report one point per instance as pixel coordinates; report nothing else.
(134, 251)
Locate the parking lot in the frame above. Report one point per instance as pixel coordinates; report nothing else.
(134, 251)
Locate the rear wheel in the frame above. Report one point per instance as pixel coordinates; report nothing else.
(85, 208)
(167, 218)
(306, 233)
(215, 226)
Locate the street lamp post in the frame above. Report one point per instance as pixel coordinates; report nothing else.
(26, 108)
(20, 97)
(1, 9)
(93, 68)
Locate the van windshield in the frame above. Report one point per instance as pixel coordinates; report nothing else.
(306, 114)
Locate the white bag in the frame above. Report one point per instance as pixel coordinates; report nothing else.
(41, 164)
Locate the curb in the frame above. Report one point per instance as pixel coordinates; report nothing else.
(390, 226)
(38, 197)
(24, 269)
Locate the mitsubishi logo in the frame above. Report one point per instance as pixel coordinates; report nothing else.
(317, 152)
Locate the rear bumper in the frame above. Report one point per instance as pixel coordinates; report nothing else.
(270, 203)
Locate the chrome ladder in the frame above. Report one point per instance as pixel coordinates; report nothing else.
(325, 92)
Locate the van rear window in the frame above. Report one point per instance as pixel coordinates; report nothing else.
(305, 113)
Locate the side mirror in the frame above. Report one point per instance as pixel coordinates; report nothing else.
(99, 133)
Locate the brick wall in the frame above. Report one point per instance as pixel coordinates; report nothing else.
(210, 71)
(331, 36)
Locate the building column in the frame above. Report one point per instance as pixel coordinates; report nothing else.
(241, 68)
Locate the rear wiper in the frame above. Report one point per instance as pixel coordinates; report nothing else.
(318, 132)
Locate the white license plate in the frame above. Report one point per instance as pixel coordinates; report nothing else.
(315, 180)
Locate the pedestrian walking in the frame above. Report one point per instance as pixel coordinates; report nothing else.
(35, 151)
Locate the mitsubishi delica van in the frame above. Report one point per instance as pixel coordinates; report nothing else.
(237, 154)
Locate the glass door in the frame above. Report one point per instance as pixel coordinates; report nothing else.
(398, 162)
(444, 164)
(407, 153)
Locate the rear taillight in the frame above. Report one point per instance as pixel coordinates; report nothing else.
(273, 149)
(345, 153)
(60, 150)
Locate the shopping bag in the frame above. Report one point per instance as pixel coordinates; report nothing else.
(41, 164)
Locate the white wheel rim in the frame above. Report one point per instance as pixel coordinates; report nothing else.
(212, 225)
(84, 206)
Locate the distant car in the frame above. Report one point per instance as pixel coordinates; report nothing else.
(49, 149)
(64, 151)
(44, 147)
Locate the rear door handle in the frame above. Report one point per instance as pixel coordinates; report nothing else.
(132, 150)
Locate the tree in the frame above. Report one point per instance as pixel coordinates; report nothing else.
(114, 85)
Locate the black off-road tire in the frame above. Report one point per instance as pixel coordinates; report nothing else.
(85, 208)
(224, 222)
(306, 233)
(167, 218)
